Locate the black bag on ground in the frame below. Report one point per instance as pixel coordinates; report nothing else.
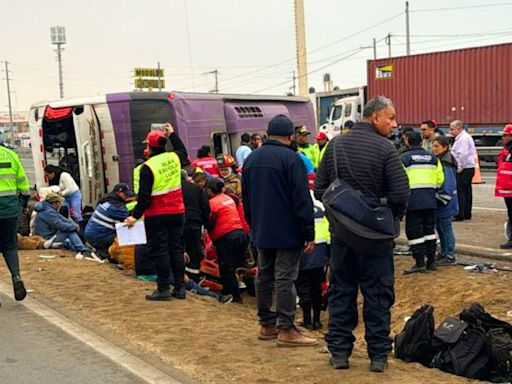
(476, 315)
(467, 356)
(414, 342)
(500, 365)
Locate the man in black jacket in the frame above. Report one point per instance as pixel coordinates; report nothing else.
(368, 162)
(197, 213)
(279, 209)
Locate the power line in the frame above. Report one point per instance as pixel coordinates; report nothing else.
(462, 7)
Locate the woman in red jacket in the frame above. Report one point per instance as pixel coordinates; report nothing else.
(504, 181)
(226, 231)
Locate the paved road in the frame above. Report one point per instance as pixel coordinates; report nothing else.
(35, 351)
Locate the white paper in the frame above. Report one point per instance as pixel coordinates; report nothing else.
(131, 236)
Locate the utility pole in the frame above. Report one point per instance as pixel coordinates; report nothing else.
(294, 87)
(388, 43)
(9, 100)
(407, 31)
(58, 38)
(216, 74)
(300, 32)
(374, 49)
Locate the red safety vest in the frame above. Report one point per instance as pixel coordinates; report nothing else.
(223, 210)
(504, 174)
(208, 164)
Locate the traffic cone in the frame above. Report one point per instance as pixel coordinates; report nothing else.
(477, 178)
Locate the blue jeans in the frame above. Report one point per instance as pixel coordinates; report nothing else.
(71, 240)
(75, 201)
(446, 236)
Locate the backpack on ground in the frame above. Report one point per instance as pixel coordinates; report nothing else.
(414, 342)
(500, 365)
(464, 350)
(476, 315)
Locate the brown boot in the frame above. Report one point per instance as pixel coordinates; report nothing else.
(268, 332)
(293, 338)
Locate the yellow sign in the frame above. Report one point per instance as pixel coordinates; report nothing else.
(384, 71)
(149, 83)
(149, 72)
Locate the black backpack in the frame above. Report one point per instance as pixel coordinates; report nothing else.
(468, 355)
(477, 316)
(414, 342)
(500, 365)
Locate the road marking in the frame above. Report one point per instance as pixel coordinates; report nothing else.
(490, 209)
(121, 357)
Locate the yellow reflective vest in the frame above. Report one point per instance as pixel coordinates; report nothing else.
(13, 182)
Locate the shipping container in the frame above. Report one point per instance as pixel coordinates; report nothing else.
(473, 85)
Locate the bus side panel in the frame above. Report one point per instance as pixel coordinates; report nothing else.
(36, 142)
(108, 144)
(197, 121)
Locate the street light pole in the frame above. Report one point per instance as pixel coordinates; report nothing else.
(11, 124)
(58, 38)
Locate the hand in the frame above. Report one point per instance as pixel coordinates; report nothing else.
(459, 170)
(309, 248)
(169, 129)
(130, 221)
(186, 257)
(25, 211)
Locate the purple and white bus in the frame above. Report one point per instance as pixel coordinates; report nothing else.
(99, 138)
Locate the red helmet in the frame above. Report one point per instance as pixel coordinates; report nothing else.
(156, 139)
(226, 160)
(507, 130)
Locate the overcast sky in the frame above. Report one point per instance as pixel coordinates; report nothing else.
(250, 42)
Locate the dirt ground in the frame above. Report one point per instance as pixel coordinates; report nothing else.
(217, 343)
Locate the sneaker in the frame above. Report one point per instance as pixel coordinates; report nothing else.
(19, 288)
(339, 361)
(446, 261)
(160, 295)
(415, 269)
(179, 293)
(378, 365)
(225, 299)
(291, 338)
(268, 332)
(507, 245)
(48, 243)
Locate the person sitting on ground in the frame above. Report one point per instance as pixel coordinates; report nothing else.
(100, 231)
(447, 203)
(206, 162)
(225, 229)
(68, 189)
(227, 166)
(55, 228)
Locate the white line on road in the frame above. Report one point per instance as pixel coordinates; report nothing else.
(131, 363)
(490, 209)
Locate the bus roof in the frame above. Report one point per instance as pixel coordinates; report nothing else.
(164, 95)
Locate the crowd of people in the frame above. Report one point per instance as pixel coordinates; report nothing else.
(260, 212)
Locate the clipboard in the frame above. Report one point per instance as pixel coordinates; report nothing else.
(131, 235)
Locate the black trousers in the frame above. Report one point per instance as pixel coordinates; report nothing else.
(465, 193)
(193, 247)
(231, 255)
(420, 231)
(165, 241)
(9, 244)
(372, 272)
(309, 288)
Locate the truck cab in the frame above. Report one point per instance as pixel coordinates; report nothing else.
(343, 110)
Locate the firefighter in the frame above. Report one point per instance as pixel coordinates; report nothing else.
(14, 196)
(504, 181)
(160, 200)
(426, 175)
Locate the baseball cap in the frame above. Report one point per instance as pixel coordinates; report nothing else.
(302, 130)
(321, 136)
(156, 139)
(123, 187)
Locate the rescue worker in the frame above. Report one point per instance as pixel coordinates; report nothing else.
(504, 181)
(310, 150)
(206, 162)
(160, 200)
(367, 162)
(321, 142)
(14, 196)
(227, 166)
(426, 175)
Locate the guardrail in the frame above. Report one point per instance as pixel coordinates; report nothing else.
(488, 151)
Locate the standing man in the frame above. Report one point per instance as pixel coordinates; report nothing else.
(504, 181)
(426, 175)
(310, 150)
(428, 133)
(14, 195)
(279, 209)
(256, 141)
(321, 142)
(244, 150)
(160, 200)
(464, 152)
(367, 161)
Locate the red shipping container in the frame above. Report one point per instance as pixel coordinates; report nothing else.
(472, 84)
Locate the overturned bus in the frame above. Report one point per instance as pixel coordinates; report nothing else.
(99, 139)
